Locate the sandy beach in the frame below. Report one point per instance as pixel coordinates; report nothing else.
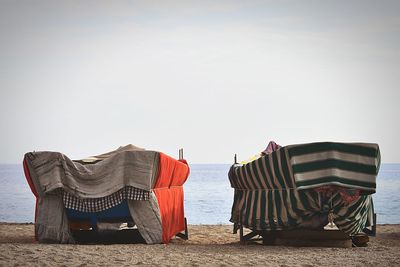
(207, 245)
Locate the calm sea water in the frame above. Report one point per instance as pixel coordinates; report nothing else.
(208, 195)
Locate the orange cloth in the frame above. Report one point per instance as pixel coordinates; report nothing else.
(168, 189)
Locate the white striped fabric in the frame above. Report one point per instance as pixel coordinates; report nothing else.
(268, 196)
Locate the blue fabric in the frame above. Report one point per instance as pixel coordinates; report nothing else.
(116, 212)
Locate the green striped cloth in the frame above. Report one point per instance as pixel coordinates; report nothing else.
(351, 165)
(267, 196)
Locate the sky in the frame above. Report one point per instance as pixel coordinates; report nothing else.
(213, 77)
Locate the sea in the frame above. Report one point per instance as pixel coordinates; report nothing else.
(208, 195)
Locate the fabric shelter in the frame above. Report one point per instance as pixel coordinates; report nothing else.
(300, 185)
(150, 182)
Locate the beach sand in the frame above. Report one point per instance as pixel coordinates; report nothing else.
(207, 245)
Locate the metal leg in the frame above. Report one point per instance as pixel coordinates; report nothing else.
(186, 230)
(241, 234)
(371, 232)
(374, 226)
(247, 237)
(184, 236)
(241, 229)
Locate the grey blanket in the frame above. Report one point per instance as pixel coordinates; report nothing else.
(53, 170)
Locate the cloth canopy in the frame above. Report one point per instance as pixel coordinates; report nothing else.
(276, 191)
(104, 181)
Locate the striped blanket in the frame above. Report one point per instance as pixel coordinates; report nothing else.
(349, 165)
(273, 192)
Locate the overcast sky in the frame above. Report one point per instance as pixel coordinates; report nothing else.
(213, 77)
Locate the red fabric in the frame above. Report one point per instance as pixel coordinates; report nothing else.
(28, 179)
(31, 185)
(172, 174)
(347, 195)
(272, 146)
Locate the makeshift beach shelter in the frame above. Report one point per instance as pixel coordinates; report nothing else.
(129, 185)
(306, 186)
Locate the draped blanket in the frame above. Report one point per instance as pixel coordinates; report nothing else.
(52, 170)
(276, 191)
(102, 182)
(348, 165)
